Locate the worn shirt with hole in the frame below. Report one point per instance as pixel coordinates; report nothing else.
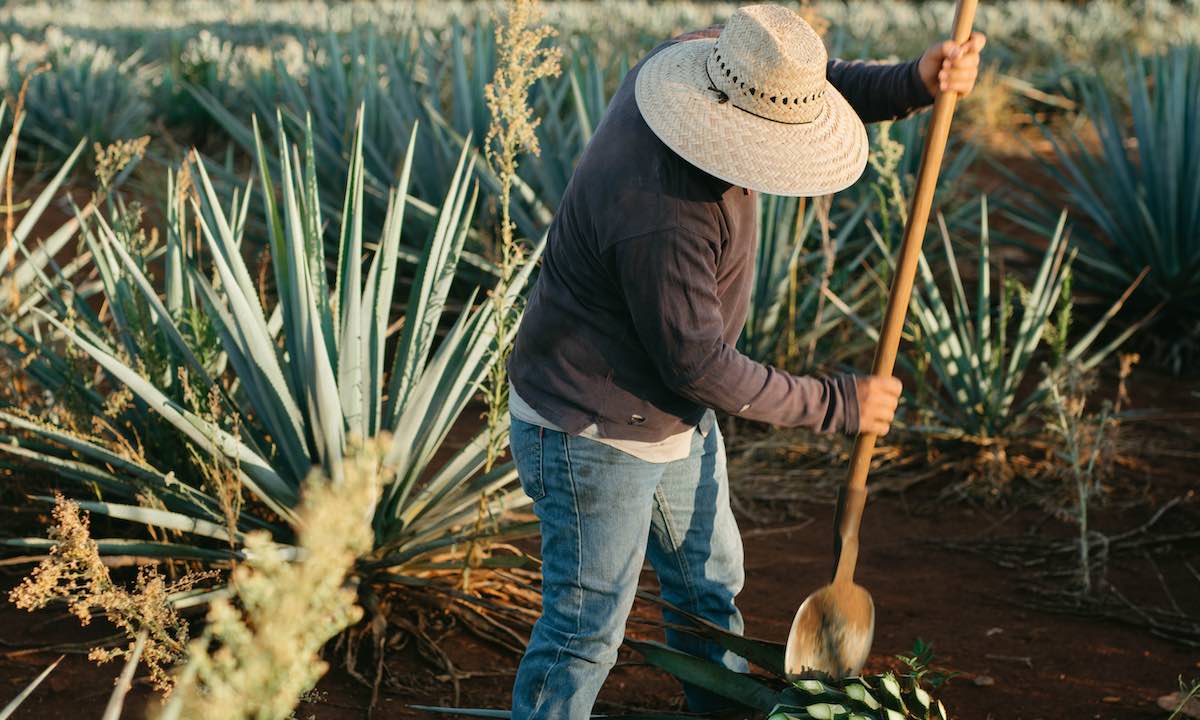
(631, 327)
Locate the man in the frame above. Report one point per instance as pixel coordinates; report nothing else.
(627, 344)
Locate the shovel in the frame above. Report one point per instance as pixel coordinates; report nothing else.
(832, 631)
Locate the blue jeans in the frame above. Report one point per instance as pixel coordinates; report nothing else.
(603, 511)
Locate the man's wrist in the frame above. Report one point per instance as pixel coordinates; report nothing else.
(850, 414)
(923, 91)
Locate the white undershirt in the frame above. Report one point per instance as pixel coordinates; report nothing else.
(675, 447)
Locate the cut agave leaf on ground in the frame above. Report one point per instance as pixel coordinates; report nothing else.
(735, 686)
(763, 653)
(881, 697)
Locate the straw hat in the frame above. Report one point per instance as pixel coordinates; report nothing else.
(754, 108)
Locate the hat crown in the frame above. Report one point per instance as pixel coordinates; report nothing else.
(770, 62)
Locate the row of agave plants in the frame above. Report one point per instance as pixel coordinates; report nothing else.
(189, 357)
(177, 379)
(809, 299)
(1032, 35)
(1133, 209)
(181, 351)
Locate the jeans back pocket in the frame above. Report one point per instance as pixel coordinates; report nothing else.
(526, 440)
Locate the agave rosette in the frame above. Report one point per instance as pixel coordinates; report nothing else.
(1140, 191)
(293, 380)
(979, 360)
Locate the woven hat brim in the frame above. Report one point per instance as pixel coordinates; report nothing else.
(810, 159)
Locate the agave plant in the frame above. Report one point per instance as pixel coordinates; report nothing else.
(204, 60)
(85, 91)
(1139, 192)
(789, 322)
(980, 359)
(28, 269)
(326, 93)
(787, 315)
(258, 387)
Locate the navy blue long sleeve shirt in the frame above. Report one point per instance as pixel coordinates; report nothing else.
(643, 292)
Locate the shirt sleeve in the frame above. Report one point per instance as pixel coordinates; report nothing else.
(879, 91)
(670, 286)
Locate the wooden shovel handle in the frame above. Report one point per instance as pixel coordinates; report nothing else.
(906, 266)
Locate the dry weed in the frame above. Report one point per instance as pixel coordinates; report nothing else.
(259, 655)
(522, 58)
(111, 160)
(74, 573)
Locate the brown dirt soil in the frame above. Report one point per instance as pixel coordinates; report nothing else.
(1016, 663)
(1041, 665)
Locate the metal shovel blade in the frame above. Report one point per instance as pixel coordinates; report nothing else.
(831, 633)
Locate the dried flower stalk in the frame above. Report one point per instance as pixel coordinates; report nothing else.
(73, 572)
(257, 657)
(522, 59)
